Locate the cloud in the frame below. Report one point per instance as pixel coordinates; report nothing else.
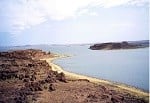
(87, 12)
(18, 15)
(114, 3)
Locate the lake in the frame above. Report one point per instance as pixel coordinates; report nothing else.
(130, 66)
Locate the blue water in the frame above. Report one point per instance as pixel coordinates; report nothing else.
(130, 66)
(126, 66)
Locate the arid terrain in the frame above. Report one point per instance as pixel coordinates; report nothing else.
(26, 77)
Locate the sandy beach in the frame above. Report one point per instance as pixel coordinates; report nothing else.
(74, 76)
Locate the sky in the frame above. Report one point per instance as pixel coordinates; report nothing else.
(30, 22)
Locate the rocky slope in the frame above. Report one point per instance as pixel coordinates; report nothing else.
(25, 78)
(22, 75)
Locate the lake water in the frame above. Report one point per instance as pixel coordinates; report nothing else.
(124, 66)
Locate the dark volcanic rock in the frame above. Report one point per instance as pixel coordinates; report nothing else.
(51, 87)
(22, 74)
(117, 98)
(6, 74)
(61, 77)
(92, 98)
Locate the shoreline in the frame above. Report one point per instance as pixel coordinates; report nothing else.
(75, 76)
(31, 76)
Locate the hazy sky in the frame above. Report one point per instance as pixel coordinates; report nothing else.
(72, 21)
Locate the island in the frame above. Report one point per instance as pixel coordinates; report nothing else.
(120, 45)
(30, 76)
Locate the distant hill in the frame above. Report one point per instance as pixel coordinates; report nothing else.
(120, 45)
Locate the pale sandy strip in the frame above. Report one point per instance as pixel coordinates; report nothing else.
(91, 79)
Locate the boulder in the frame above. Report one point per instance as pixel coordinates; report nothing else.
(51, 87)
(61, 77)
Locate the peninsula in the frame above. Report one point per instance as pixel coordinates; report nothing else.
(120, 45)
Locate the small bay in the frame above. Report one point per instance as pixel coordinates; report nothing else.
(124, 66)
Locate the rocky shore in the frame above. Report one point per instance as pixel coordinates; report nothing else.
(26, 77)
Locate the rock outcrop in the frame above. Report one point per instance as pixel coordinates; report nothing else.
(22, 74)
